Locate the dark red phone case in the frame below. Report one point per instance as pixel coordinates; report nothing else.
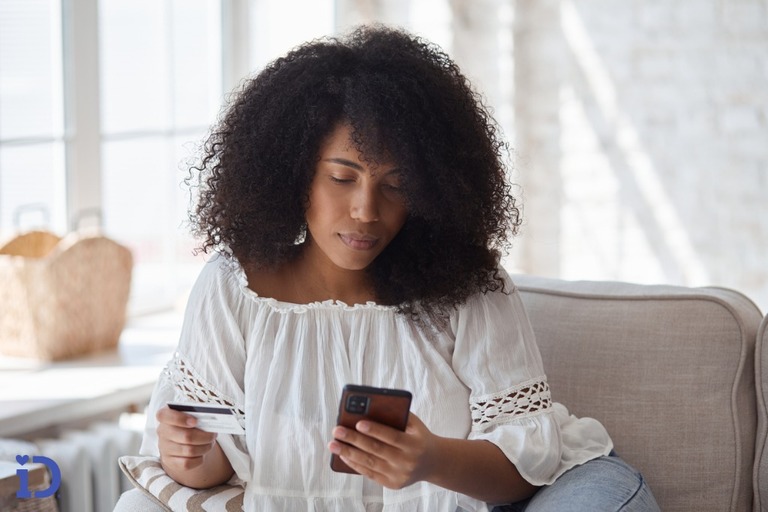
(387, 406)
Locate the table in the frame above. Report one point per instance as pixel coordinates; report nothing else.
(35, 396)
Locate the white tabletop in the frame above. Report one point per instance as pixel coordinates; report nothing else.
(38, 395)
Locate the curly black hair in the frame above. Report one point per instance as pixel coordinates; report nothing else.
(406, 101)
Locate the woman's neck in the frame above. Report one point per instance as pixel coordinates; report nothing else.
(309, 278)
(320, 278)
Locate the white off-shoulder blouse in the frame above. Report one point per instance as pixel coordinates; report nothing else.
(281, 368)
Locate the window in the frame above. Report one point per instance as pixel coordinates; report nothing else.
(159, 94)
(104, 102)
(32, 152)
(100, 103)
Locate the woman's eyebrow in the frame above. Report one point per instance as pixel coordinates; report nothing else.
(344, 161)
(356, 166)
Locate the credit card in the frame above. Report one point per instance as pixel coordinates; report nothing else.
(210, 417)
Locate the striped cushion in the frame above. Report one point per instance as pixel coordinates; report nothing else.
(148, 475)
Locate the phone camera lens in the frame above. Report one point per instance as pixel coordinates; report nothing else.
(357, 404)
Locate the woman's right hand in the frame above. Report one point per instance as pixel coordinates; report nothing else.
(182, 446)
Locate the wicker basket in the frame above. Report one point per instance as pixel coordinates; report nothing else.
(62, 297)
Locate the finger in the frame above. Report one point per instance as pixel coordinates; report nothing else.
(384, 434)
(392, 436)
(184, 463)
(185, 435)
(170, 417)
(375, 446)
(365, 470)
(414, 424)
(367, 464)
(393, 474)
(187, 451)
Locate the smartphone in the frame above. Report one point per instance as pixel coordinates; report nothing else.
(382, 405)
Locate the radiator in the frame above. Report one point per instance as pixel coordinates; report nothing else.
(91, 480)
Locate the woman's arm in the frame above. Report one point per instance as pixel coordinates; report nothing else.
(397, 459)
(190, 456)
(479, 469)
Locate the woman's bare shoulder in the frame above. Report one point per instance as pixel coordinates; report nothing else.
(272, 283)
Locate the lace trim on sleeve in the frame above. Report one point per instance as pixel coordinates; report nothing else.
(192, 387)
(526, 399)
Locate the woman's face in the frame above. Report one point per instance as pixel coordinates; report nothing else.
(355, 209)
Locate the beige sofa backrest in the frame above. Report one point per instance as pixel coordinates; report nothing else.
(761, 467)
(670, 371)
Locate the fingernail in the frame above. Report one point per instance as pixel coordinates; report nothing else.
(339, 433)
(191, 422)
(363, 426)
(335, 448)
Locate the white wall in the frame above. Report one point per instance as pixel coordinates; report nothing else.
(642, 141)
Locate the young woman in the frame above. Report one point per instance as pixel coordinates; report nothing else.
(355, 193)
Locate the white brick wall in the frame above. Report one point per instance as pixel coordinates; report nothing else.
(661, 160)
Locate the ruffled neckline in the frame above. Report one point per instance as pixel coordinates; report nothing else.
(278, 305)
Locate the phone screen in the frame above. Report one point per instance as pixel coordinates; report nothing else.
(382, 405)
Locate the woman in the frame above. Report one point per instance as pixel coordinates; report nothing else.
(355, 192)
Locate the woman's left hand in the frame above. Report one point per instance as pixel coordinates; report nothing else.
(386, 455)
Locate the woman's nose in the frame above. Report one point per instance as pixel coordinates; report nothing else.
(365, 207)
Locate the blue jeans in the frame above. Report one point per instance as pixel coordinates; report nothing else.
(605, 484)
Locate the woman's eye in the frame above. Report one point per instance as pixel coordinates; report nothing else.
(394, 189)
(340, 180)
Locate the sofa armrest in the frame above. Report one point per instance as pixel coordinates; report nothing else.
(761, 453)
(668, 370)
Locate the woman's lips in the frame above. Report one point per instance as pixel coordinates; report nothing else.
(358, 242)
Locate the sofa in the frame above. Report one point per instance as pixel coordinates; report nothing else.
(676, 374)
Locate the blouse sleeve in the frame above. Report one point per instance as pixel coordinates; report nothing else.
(496, 356)
(209, 363)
